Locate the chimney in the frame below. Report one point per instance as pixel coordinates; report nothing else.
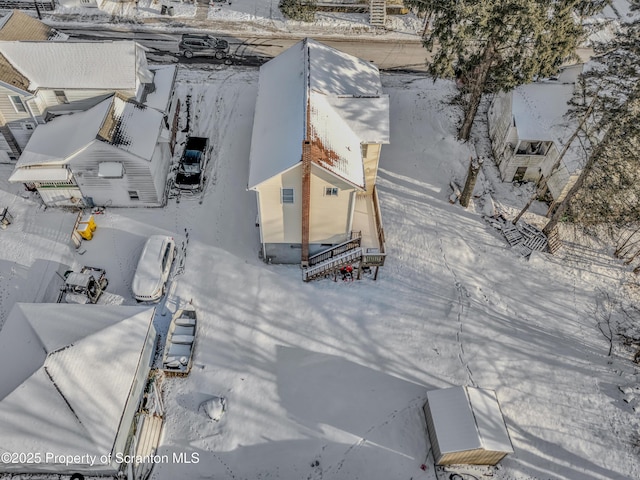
(306, 201)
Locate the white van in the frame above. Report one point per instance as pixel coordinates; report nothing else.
(153, 268)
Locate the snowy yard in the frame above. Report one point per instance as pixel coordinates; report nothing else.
(327, 380)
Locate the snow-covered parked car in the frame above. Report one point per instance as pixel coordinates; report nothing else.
(153, 268)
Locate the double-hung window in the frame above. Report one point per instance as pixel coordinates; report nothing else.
(18, 104)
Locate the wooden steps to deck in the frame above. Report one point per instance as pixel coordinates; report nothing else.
(332, 264)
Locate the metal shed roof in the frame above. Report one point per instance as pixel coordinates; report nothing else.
(467, 418)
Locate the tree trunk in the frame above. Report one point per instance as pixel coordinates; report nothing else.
(544, 187)
(586, 170)
(477, 89)
(526, 207)
(470, 183)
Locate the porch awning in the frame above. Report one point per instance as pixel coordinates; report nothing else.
(26, 175)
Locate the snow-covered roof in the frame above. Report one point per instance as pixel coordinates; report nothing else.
(40, 174)
(539, 111)
(107, 65)
(131, 127)
(127, 125)
(66, 375)
(346, 109)
(163, 79)
(55, 141)
(334, 146)
(467, 418)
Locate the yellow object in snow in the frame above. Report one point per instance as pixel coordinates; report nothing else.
(84, 229)
(91, 222)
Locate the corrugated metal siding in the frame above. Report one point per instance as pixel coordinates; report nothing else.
(114, 191)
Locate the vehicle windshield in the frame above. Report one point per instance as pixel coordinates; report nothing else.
(189, 168)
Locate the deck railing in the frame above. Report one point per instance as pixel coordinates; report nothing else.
(332, 265)
(336, 250)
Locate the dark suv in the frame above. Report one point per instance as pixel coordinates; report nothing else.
(205, 45)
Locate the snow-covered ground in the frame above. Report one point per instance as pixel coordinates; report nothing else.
(251, 17)
(326, 380)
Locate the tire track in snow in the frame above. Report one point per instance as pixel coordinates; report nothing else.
(462, 294)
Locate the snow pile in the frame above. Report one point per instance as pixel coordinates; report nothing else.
(214, 408)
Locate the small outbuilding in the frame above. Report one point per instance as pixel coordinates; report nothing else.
(466, 427)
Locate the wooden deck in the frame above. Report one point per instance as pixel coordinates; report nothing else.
(364, 221)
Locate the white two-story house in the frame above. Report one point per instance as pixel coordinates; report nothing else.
(320, 121)
(42, 79)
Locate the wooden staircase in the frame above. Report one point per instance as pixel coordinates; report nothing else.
(377, 13)
(332, 264)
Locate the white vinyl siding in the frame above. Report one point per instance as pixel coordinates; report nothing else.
(371, 158)
(277, 223)
(329, 218)
(137, 177)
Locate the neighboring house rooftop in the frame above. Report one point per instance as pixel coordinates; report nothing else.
(75, 65)
(161, 90)
(125, 124)
(539, 113)
(19, 26)
(66, 373)
(338, 94)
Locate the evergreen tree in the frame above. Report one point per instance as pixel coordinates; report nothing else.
(607, 189)
(492, 46)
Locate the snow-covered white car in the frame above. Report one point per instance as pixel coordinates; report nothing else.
(153, 268)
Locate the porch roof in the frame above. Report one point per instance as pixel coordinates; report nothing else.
(22, 175)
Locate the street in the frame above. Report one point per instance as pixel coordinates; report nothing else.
(401, 55)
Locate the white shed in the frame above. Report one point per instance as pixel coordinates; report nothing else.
(466, 426)
(71, 380)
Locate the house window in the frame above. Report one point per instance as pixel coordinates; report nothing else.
(133, 195)
(60, 96)
(18, 105)
(331, 192)
(519, 175)
(287, 195)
